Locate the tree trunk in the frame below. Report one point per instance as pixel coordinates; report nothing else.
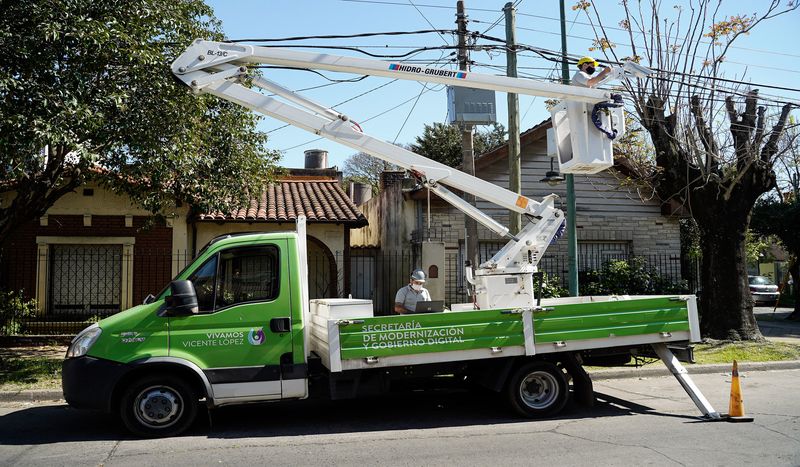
(726, 306)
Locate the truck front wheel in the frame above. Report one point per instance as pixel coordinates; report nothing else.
(158, 405)
(537, 389)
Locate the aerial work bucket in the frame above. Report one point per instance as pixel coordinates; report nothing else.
(584, 134)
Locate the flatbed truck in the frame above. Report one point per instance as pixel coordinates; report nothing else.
(237, 326)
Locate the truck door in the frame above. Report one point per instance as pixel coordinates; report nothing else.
(242, 328)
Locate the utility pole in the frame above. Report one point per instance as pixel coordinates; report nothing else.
(467, 145)
(514, 150)
(572, 240)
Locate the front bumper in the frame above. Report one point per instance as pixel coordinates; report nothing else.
(765, 297)
(89, 382)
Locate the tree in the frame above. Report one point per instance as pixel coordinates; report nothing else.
(86, 92)
(716, 170)
(363, 168)
(442, 142)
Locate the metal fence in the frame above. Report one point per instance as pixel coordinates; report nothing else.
(78, 284)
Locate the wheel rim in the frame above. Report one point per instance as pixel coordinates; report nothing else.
(158, 406)
(539, 390)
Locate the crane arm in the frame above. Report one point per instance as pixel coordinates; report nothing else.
(218, 68)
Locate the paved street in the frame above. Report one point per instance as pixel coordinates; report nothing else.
(636, 422)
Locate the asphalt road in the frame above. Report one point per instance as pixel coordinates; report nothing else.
(635, 422)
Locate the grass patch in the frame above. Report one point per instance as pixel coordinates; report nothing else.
(33, 368)
(726, 352)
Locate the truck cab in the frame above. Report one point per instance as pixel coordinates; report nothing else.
(228, 329)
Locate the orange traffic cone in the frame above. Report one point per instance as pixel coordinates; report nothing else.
(736, 406)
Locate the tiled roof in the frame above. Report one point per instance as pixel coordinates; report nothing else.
(321, 200)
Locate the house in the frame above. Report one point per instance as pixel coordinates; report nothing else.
(95, 253)
(613, 220)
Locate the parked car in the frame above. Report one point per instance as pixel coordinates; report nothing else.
(763, 290)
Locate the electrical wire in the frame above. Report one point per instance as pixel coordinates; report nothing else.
(362, 121)
(377, 2)
(614, 28)
(345, 36)
(334, 81)
(766, 67)
(427, 20)
(394, 3)
(357, 49)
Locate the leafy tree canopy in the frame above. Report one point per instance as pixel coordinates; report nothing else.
(442, 142)
(86, 90)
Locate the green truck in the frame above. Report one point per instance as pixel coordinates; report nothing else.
(236, 327)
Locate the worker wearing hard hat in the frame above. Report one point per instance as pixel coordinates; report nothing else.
(587, 67)
(405, 301)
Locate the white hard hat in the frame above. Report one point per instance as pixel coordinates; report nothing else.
(418, 275)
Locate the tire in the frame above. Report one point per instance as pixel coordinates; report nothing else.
(158, 405)
(537, 389)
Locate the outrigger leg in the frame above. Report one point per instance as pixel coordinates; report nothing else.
(683, 377)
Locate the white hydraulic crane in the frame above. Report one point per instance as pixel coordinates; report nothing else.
(506, 280)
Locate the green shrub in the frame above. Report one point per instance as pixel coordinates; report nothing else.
(14, 309)
(551, 286)
(631, 277)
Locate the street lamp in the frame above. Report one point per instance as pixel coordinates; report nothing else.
(552, 177)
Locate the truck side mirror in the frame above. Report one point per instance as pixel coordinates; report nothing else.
(183, 300)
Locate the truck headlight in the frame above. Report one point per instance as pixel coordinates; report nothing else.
(83, 341)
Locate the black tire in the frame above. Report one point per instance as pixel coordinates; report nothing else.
(537, 389)
(158, 405)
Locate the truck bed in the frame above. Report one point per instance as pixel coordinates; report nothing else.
(561, 325)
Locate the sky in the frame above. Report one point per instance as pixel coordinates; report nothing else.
(398, 111)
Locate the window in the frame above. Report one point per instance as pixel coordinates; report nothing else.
(246, 275)
(203, 281)
(237, 276)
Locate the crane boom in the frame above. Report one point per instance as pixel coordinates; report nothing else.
(218, 68)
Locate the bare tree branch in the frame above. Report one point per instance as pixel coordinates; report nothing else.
(771, 147)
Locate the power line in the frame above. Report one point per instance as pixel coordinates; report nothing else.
(345, 36)
(427, 20)
(614, 28)
(377, 2)
(357, 49)
(393, 3)
(628, 46)
(363, 121)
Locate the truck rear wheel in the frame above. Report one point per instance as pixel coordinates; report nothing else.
(158, 405)
(537, 389)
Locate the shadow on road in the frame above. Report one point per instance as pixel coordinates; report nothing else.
(57, 423)
(409, 411)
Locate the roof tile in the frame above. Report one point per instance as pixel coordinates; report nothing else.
(320, 200)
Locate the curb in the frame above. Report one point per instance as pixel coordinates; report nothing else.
(32, 395)
(656, 371)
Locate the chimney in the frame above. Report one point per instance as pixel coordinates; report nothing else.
(360, 193)
(392, 177)
(316, 159)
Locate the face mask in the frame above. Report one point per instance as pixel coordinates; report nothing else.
(589, 70)
(417, 287)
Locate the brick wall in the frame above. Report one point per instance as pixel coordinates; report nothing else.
(152, 250)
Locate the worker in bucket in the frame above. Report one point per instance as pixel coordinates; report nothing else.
(587, 67)
(405, 301)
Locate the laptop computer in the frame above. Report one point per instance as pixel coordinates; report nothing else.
(433, 306)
